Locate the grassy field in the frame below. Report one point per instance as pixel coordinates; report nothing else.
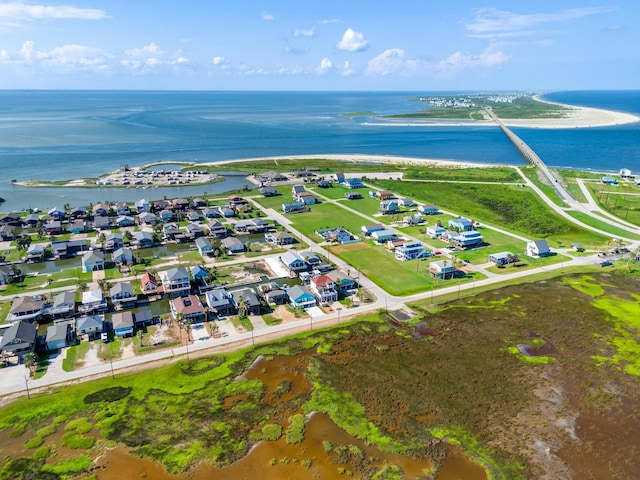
(484, 174)
(63, 278)
(602, 225)
(622, 200)
(326, 215)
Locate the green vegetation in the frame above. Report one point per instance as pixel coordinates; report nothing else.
(453, 174)
(271, 432)
(295, 430)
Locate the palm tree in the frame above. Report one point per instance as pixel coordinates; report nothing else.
(31, 361)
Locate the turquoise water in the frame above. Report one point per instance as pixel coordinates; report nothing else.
(66, 134)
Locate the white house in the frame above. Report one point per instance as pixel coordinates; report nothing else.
(538, 248)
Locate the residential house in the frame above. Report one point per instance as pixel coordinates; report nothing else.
(343, 282)
(435, 231)
(25, 308)
(92, 261)
(198, 202)
(297, 190)
(148, 218)
(210, 212)
(7, 233)
(625, 173)
(175, 281)
(412, 220)
(538, 248)
(64, 304)
(142, 205)
(410, 251)
(11, 218)
(578, 247)
(148, 284)
(268, 192)
(338, 177)
(294, 207)
(53, 227)
(57, 336)
(388, 207)
(279, 238)
(123, 256)
(367, 230)
(188, 307)
(93, 300)
(272, 177)
(19, 339)
(442, 269)
(353, 183)
(194, 231)
(166, 216)
(306, 197)
(198, 272)
(5, 274)
(382, 236)
(113, 241)
(235, 200)
(101, 222)
(56, 214)
(503, 258)
(91, 325)
(428, 209)
(246, 298)
(78, 213)
(143, 239)
(225, 211)
(301, 297)
(466, 239)
(35, 253)
(192, 216)
(143, 317)
(324, 289)
(340, 235)
(204, 247)
(100, 209)
(394, 243)
(122, 294)
(219, 301)
(314, 261)
(79, 226)
(122, 324)
(406, 202)
(352, 195)
(122, 209)
(160, 205)
(217, 229)
(383, 194)
(253, 225)
(461, 224)
(125, 221)
(31, 220)
(180, 204)
(609, 180)
(292, 262)
(273, 293)
(323, 184)
(171, 231)
(233, 245)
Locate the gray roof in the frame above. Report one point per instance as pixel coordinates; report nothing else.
(57, 332)
(20, 331)
(90, 322)
(177, 273)
(120, 288)
(289, 257)
(248, 296)
(122, 320)
(62, 298)
(297, 291)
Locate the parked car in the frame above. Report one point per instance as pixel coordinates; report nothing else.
(606, 263)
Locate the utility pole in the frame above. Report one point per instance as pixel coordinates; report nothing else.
(26, 384)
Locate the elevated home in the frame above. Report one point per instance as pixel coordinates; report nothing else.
(166, 216)
(122, 294)
(410, 251)
(68, 248)
(80, 226)
(148, 284)
(609, 180)
(292, 262)
(101, 222)
(301, 297)
(180, 204)
(246, 298)
(210, 212)
(198, 202)
(343, 282)
(192, 216)
(125, 221)
(7, 233)
(467, 239)
(388, 207)
(233, 245)
(122, 209)
(56, 214)
(217, 229)
(435, 231)
(394, 243)
(91, 325)
(93, 300)
(268, 192)
(625, 173)
(142, 205)
(26, 308)
(19, 339)
(57, 336)
(148, 218)
(189, 308)
(31, 220)
(35, 253)
(294, 207)
(279, 238)
(427, 209)
(253, 225)
(171, 231)
(100, 210)
(297, 190)
(198, 272)
(113, 241)
(175, 282)
(122, 324)
(92, 261)
(503, 258)
(306, 197)
(442, 269)
(323, 184)
(272, 177)
(53, 227)
(382, 236)
(406, 202)
(412, 220)
(324, 289)
(367, 230)
(5, 274)
(78, 212)
(353, 183)
(123, 256)
(160, 205)
(64, 304)
(339, 235)
(538, 248)
(194, 231)
(219, 301)
(204, 246)
(225, 211)
(12, 218)
(383, 194)
(461, 224)
(338, 177)
(235, 201)
(143, 239)
(352, 195)
(273, 293)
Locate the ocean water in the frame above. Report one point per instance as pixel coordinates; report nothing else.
(67, 134)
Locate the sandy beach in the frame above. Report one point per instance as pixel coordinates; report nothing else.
(576, 117)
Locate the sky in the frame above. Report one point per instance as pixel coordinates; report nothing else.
(348, 45)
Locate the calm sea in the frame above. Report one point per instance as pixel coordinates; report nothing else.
(67, 134)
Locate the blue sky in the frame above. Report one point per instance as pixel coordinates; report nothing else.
(319, 45)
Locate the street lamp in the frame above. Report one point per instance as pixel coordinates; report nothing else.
(339, 309)
(111, 361)
(26, 384)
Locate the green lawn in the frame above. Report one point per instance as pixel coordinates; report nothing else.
(602, 225)
(63, 278)
(75, 356)
(484, 174)
(284, 196)
(622, 200)
(528, 263)
(326, 215)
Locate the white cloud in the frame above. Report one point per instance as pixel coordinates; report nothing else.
(219, 60)
(493, 23)
(353, 41)
(267, 17)
(147, 51)
(388, 62)
(348, 70)
(490, 57)
(27, 51)
(325, 66)
(330, 20)
(16, 11)
(75, 55)
(301, 32)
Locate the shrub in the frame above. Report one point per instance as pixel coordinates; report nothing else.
(77, 442)
(271, 432)
(34, 442)
(295, 430)
(79, 425)
(41, 453)
(46, 431)
(72, 466)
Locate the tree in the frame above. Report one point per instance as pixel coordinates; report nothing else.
(127, 236)
(242, 307)
(140, 336)
(31, 361)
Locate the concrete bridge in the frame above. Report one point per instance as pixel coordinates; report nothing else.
(532, 157)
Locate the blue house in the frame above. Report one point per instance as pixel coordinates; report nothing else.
(605, 180)
(204, 246)
(467, 239)
(293, 207)
(122, 324)
(388, 207)
(293, 262)
(198, 272)
(353, 183)
(442, 269)
(461, 224)
(427, 209)
(367, 230)
(92, 261)
(301, 297)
